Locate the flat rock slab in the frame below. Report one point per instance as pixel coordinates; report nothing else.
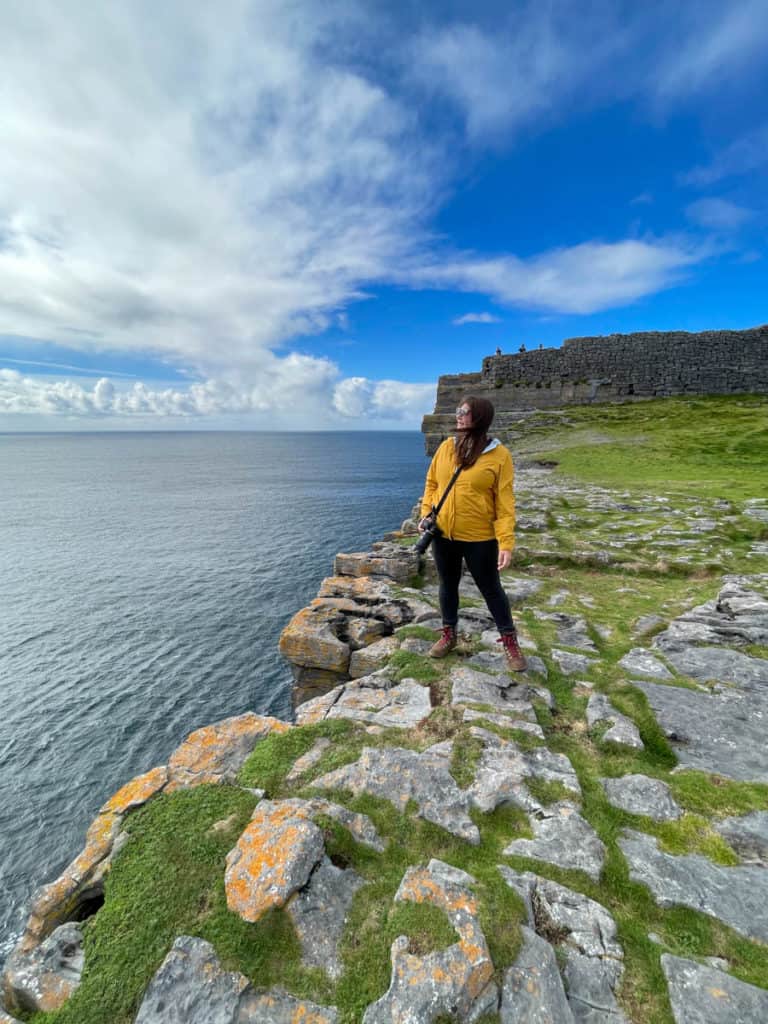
(572, 630)
(571, 664)
(273, 858)
(533, 991)
(562, 837)
(497, 692)
(369, 659)
(216, 753)
(319, 913)
(359, 826)
(504, 767)
(738, 896)
(504, 722)
(399, 775)
(623, 730)
(457, 981)
(640, 662)
(747, 835)
(375, 699)
(586, 937)
(190, 987)
(720, 732)
(639, 794)
(704, 995)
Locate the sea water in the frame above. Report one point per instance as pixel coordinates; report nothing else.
(144, 582)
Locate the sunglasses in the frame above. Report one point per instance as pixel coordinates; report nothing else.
(463, 411)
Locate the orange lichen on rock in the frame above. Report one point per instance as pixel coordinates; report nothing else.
(273, 858)
(137, 791)
(215, 753)
(310, 640)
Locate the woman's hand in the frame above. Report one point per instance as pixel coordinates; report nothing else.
(505, 559)
(423, 524)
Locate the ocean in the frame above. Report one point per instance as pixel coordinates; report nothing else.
(144, 582)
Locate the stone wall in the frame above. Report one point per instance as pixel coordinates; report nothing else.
(615, 368)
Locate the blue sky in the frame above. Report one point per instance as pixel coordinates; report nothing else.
(276, 214)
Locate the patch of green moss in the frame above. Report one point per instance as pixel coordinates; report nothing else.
(548, 792)
(407, 665)
(465, 759)
(273, 757)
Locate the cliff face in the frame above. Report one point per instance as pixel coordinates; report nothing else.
(616, 368)
(584, 841)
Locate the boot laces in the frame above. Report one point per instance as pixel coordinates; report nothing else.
(509, 640)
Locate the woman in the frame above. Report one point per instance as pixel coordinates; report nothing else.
(477, 523)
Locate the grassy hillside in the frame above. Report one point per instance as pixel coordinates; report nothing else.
(712, 447)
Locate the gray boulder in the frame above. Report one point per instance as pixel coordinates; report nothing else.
(533, 990)
(401, 775)
(748, 836)
(319, 913)
(704, 995)
(622, 731)
(44, 977)
(640, 662)
(638, 794)
(376, 699)
(504, 767)
(738, 896)
(572, 664)
(562, 837)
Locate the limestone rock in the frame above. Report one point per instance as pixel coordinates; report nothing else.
(533, 990)
(375, 699)
(311, 639)
(571, 630)
(393, 561)
(44, 978)
(623, 730)
(737, 616)
(562, 837)
(308, 761)
(273, 858)
(720, 732)
(367, 597)
(648, 624)
(585, 933)
(747, 835)
(216, 753)
(504, 767)
(572, 664)
(639, 794)
(278, 1007)
(319, 912)
(703, 995)
(5, 1018)
(368, 659)
(190, 987)
(640, 662)
(457, 980)
(469, 686)
(504, 721)
(401, 775)
(359, 826)
(736, 895)
(136, 792)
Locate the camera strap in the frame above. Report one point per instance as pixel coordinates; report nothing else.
(436, 509)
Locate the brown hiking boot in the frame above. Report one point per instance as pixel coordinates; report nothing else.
(515, 659)
(445, 644)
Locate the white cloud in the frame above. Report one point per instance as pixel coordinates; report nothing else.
(582, 279)
(194, 182)
(745, 154)
(300, 391)
(719, 41)
(718, 214)
(476, 318)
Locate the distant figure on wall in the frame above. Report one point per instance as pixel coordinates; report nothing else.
(498, 351)
(522, 347)
(476, 524)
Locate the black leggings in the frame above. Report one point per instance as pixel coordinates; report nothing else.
(481, 557)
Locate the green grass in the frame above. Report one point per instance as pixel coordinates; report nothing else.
(711, 446)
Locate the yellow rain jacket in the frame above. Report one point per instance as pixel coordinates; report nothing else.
(481, 504)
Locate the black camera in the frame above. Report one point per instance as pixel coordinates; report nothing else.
(429, 533)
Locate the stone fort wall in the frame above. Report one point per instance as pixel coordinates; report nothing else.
(614, 368)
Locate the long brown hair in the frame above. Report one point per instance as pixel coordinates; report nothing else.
(471, 442)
